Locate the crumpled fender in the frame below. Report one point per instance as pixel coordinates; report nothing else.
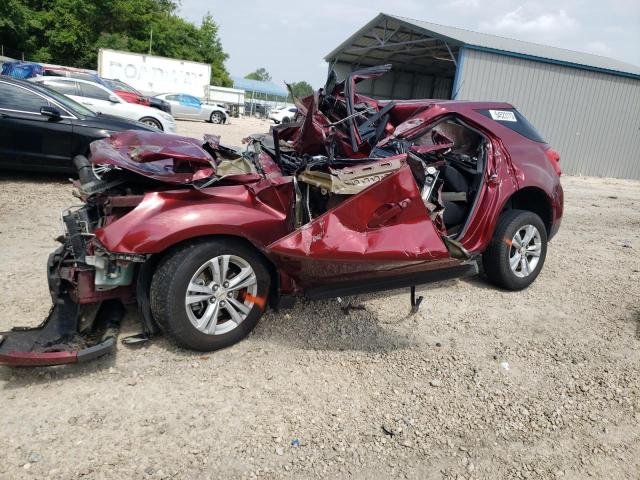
(258, 213)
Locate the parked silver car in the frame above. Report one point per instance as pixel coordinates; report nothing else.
(188, 107)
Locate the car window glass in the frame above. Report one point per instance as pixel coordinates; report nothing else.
(514, 120)
(68, 103)
(16, 98)
(54, 73)
(82, 76)
(173, 98)
(93, 91)
(118, 85)
(66, 88)
(189, 100)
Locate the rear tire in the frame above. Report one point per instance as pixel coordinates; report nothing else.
(286, 120)
(198, 307)
(517, 250)
(217, 118)
(152, 122)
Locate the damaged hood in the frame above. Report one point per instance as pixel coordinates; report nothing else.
(167, 158)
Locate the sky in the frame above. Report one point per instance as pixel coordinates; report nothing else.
(290, 38)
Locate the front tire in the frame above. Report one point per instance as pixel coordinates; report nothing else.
(517, 250)
(209, 295)
(152, 122)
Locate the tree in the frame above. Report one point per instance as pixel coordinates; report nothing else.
(212, 52)
(260, 74)
(300, 90)
(70, 32)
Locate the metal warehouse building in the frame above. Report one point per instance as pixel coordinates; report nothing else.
(586, 106)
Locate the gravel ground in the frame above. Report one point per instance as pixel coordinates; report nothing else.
(480, 383)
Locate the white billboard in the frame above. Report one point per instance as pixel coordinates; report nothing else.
(154, 75)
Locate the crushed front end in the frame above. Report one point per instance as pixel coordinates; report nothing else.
(88, 290)
(89, 285)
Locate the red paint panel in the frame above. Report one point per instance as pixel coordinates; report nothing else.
(133, 97)
(163, 219)
(35, 359)
(167, 158)
(382, 229)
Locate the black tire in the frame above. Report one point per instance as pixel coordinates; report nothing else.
(496, 259)
(169, 286)
(286, 120)
(217, 118)
(152, 122)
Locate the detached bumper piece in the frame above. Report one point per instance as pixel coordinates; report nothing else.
(58, 341)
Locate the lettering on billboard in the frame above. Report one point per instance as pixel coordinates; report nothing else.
(131, 72)
(155, 74)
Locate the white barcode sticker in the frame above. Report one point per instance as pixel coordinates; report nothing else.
(503, 115)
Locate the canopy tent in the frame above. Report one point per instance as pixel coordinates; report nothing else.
(257, 86)
(259, 89)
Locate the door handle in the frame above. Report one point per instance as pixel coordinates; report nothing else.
(387, 212)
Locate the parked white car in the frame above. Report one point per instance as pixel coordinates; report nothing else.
(102, 100)
(189, 107)
(283, 115)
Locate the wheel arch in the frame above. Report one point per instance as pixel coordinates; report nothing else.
(217, 112)
(158, 122)
(532, 199)
(272, 269)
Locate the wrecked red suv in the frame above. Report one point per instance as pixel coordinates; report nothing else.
(355, 195)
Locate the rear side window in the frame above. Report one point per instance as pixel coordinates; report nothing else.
(93, 91)
(66, 88)
(82, 76)
(514, 120)
(20, 99)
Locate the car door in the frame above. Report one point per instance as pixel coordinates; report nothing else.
(29, 139)
(380, 238)
(191, 107)
(98, 100)
(176, 107)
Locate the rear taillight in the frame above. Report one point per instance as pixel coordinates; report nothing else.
(554, 158)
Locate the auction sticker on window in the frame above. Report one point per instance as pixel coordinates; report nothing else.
(503, 115)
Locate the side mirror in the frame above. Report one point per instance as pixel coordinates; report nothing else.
(114, 99)
(51, 112)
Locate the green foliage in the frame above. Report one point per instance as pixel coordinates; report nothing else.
(260, 74)
(70, 32)
(300, 90)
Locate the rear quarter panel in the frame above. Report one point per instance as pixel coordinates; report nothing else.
(519, 163)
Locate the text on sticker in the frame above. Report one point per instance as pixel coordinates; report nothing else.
(503, 115)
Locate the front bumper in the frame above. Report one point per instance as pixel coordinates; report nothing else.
(58, 340)
(83, 322)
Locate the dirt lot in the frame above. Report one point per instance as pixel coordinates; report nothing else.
(479, 384)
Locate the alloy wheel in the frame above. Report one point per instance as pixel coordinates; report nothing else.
(152, 123)
(524, 254)
(221, 294)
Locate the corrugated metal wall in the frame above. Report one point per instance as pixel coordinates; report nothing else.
(591, 118)
(400, 85)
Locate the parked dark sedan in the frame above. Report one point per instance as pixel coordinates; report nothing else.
(41, 129)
